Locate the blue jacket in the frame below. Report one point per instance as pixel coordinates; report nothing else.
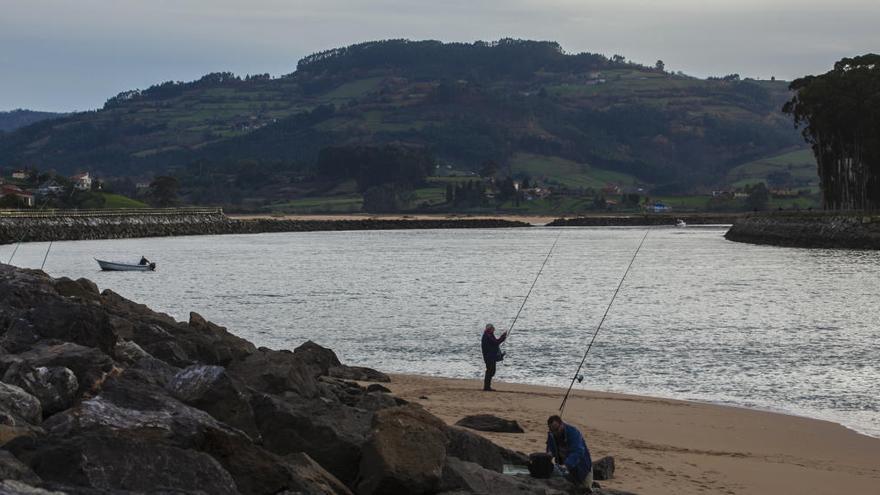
(491, 347)
(578, 461)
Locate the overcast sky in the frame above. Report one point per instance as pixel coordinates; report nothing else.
(63, 55)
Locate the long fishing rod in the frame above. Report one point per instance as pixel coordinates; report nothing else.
(509, 330)
(598, 327)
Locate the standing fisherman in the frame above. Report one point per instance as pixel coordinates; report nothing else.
(491, 354)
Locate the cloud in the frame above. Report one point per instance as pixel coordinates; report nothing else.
(58, 54)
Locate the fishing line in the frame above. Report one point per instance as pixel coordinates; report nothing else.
(598, 327)
(510, 330)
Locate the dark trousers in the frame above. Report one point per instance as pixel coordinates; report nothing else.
(490, 372)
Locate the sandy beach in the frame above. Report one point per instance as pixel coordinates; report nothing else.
(664, 446)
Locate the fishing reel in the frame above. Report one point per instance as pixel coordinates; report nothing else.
(580, 378)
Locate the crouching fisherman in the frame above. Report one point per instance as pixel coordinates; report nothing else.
(567, 446)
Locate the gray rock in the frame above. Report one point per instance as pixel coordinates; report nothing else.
(55, 387)
(375, 387)
(127, 351)
(105, 460)
(329, 433)
(13, 469)
(16, 405)
(405, 453)
(603, 469)
(359, 373)
(276, 372)
(321, 358)
(212, 390)
(489, 422)
(89, 364)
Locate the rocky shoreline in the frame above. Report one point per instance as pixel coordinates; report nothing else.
(74, 227)
(102, 395)
(809, 230)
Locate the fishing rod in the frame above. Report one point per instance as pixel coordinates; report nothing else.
(598, 327)
(509, 330)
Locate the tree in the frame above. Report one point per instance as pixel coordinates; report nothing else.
(163, 191)
(450, 193)
(840, 115)
(659, 66)
(758, 196)
(488, 168)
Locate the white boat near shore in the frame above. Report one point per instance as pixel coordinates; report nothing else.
(116, 266)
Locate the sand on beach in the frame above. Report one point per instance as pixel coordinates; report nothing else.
(532, 219)
(664, 446)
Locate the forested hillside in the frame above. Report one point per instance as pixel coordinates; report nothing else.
(510, 102)
(12, 120)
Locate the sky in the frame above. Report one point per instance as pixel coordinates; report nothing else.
(67, 55)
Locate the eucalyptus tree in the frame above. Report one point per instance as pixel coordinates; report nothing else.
(840, 115)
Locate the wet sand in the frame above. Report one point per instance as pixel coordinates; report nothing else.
(664, 446)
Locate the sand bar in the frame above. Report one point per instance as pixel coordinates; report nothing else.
(666, 446)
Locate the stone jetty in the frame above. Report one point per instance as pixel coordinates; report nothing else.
(119, 224)
(650, 219)
(100, 394)
(851, 230)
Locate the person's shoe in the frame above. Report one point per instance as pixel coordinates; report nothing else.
(490, 389)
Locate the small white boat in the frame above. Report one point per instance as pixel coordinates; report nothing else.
(116, 266)
(680, 223)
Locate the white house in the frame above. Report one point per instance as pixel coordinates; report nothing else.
(83, 181)
(20, 174)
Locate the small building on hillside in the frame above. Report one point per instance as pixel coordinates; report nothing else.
(50, 188)
(82, 181)
(20, 174)
(26, 198)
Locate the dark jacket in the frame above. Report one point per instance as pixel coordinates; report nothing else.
(491, 347)
(577, 460)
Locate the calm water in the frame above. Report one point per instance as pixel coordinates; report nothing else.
(698, 317)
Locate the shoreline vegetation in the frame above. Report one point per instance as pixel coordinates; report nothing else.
(130, 399)
(808, 229)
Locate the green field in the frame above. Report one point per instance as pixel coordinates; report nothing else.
(337, 204)
(553, 169)
(800, 164)
(120, 201)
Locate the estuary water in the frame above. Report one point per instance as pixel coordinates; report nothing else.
(697, 318)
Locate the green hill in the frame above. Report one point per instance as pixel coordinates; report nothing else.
(14, 119)
(577, 119)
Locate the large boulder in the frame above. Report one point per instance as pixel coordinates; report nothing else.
(469, 446)
(489, 422)
(276, 372)
(72, 321)
(89, 364)
(321, 358)
(330, 433)
(55, 387)
(212, 390)
(359, 373)
(13, 469)
(100, 458)
(17, 406)
(405, 453)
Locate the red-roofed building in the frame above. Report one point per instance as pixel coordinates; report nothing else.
(24, 197)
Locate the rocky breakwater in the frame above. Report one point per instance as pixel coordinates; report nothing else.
(811, 230)
(71, 226)
(99, 394)
(646, 219)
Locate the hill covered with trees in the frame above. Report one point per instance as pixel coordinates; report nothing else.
(12, 120)
(526, 106)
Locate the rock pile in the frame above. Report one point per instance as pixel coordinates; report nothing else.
(100, 394)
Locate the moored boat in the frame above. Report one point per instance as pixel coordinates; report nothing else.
(117, 266)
